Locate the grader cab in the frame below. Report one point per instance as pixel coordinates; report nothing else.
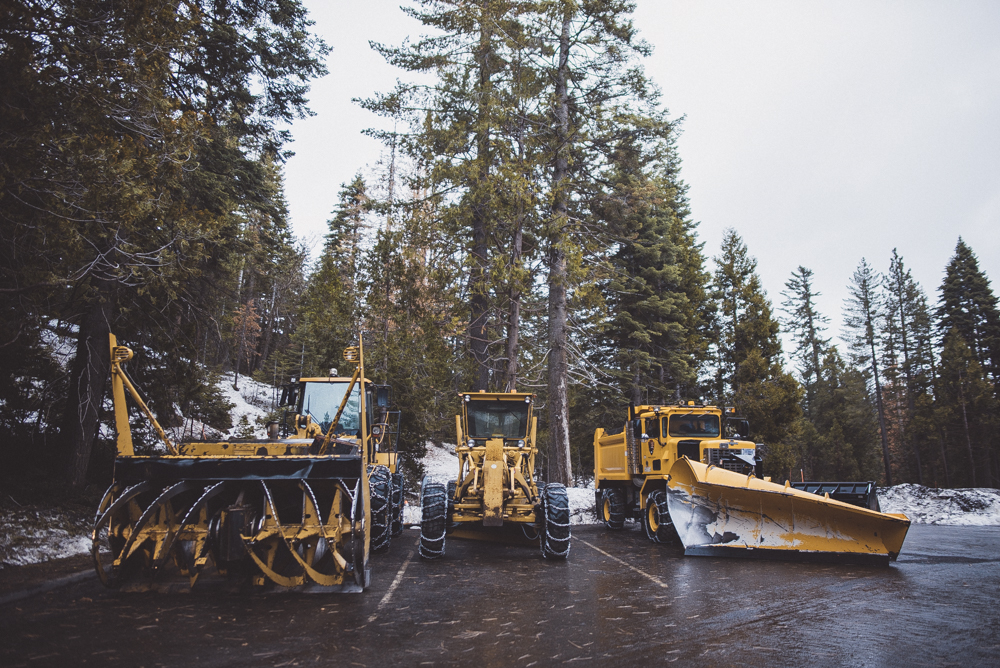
(495, 489)
(289, 512)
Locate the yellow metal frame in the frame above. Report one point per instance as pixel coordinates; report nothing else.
(611, 452)
(495, 482)
(149, 534)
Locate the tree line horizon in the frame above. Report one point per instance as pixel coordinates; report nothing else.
(528, 227)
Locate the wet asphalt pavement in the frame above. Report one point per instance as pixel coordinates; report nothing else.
(618, 600)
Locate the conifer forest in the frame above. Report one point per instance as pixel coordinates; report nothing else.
(531, 229)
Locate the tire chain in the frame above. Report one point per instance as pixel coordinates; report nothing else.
(380, 482)
(434, 508)
(398, 485)
(616, 508)
(665, 531)
(556, 533)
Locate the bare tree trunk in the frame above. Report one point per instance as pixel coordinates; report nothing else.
(88, 379)
(944, 458)
(479, 297)
(881, 418)
(560, 469)
(514, 317)
(965, 425)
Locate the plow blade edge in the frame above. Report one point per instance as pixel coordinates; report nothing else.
(720, 513)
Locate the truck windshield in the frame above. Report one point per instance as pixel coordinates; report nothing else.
(496, 419)
(321, 401)
(704, 426)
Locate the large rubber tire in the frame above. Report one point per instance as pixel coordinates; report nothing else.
(656, 519)
(434, 507)
(555, 534)
(360, 539)
(380, 483)
(398, 494)
(611, 510)
(450, 521)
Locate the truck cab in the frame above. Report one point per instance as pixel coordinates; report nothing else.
(630, 466)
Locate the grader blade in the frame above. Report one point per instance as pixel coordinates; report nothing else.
(721, 513)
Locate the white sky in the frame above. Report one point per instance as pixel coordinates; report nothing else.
(823, 132)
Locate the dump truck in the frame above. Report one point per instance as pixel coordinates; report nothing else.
(290, 513)
(686, 474)
(495, 491)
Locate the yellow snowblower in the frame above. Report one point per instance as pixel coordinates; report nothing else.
(291, 513)
(495, 489)
(676, 469)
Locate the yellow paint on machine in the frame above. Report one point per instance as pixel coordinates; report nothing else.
(721, 513)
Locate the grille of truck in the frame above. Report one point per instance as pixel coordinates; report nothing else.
(717, 457)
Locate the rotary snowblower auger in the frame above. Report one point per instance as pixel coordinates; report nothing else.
(279, 512)
(495, 493)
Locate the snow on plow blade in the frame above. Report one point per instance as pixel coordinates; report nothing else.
(720, 513)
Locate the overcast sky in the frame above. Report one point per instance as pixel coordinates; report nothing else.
(823, 132)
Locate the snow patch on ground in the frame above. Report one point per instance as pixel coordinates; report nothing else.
(581, 505)
(31, 535)
(929, 505)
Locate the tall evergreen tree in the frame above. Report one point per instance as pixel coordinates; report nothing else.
(843, 438)
(966, 410)
(134, 140)
(969, 307)
(749, 373)
(469, 131)
(907, 356)
(806, 325)
(863, 313)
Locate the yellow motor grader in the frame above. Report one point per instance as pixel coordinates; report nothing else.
(495, 487)
(677, 470)
(289, 512)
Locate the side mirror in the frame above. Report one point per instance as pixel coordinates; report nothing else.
(289, 395)
(383, 396)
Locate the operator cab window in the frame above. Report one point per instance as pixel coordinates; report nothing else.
(321, 401)
(694, 426)
(498, 419)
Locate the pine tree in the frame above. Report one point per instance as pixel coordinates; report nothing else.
(966, 410)
(844, 443)
(863, 313)
(969, 307)
(138, 139)
(806, 325)
(907, 355)
(646, 333)
(749, 374)
(473, 145)
(332, 303)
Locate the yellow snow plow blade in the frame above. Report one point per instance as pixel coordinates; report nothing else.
(720, 513)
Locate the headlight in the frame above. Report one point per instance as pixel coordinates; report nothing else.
(520, 444)
(472, 443)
